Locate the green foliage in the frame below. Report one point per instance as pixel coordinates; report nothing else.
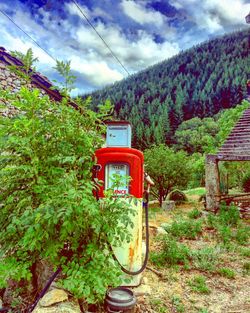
(158, 306)
(203, 311)
(244, 251)
(175, 253)
(242, 235)
(194, 214)
(205, 259)
(228, 225)
(227, 272)
(28, 60)
(195, 191)
(197, 135)
(246, 182)
(177, 195)
(198, 284)
(64, 70)
(196, 83)
(167, 168)
(48, 209)
(177, 304)
(182, 228)
(229, 215)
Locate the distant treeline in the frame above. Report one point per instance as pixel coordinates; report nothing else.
(196, 83)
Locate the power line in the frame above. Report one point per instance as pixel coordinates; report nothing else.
(27, 35)
(105, 43)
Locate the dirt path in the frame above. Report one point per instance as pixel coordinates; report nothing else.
(173, 293)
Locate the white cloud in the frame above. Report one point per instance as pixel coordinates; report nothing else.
(98, 73)
(73, 9)
(138, 13)
(213, 15)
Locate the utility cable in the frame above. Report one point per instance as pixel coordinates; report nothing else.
(5, 14)
(105, 43)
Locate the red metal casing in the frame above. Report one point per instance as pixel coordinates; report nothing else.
(134, 158)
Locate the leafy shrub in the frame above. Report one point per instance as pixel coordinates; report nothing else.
(244, 251)
(198, 284)
(246, 182)
(205, 259)
(212, 221)
(177, 304)
(188, 229)
(229, 215)
(194, 214)
(225, 233)
(178, 196)
(46, 192)
(227, 272)
(242, 235)
(173, 253)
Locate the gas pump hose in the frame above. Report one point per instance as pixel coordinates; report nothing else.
(144, 265)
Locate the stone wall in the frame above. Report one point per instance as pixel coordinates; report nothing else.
(10, 80)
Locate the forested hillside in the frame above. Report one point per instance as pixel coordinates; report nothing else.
(196, 83)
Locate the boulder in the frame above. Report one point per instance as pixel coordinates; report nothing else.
(52, 297)
(62, 307)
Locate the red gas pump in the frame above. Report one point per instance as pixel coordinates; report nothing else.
(118, 158)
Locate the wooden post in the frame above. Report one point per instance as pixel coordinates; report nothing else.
(212, 183)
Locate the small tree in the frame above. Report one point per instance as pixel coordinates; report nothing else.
(167, 168)
(48, 210)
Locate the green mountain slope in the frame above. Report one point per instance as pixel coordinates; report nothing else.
(198, 82)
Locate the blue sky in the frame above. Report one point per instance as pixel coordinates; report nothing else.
(141, 32)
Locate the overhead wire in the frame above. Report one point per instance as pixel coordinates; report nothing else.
(28, 35)
(99, 35)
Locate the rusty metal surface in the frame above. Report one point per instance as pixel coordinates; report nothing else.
(237, 145)
(130, 253)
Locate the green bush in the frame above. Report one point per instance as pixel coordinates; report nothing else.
(244, 251)
(188, 229)
(227, 272)
(178, 304)
(46, 196)
(194, 214)
(246, 182)
(173, 253)
(198, 284)
(229, 215)
(225, 233)
(242, 235)
(178, 196)
(205, 259)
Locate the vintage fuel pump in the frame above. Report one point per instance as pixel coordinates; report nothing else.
(119, 158)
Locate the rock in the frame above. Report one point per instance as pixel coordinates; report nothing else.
(168, 205)
(52, 297)
(164, 225)
(161, 231)
(62, 307)
(144, 280)
(142, 290)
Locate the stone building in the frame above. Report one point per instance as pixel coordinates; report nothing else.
(12, 81)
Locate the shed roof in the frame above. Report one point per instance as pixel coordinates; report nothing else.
(237, 145)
